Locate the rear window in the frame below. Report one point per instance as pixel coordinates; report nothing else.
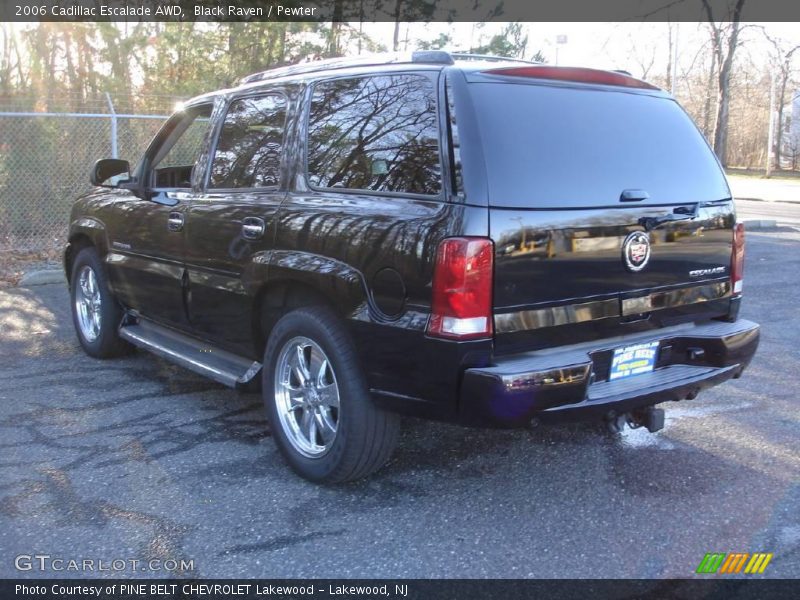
(553, 147)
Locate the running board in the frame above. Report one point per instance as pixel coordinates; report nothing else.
(191, 353)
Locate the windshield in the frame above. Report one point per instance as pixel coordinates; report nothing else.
(564, 147)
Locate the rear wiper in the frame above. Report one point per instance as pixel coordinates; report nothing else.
(681, 213)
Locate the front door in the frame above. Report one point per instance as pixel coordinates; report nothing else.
(231, 226)
(146, 243)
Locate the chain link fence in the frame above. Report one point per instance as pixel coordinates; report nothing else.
(45, 159)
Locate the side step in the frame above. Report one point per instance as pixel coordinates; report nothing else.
(191, 353)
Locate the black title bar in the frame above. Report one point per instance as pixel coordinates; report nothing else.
(411, 589)
(386, 10)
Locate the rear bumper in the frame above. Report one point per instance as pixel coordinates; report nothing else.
(572, 381)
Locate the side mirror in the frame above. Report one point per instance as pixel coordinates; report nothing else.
(107, 168)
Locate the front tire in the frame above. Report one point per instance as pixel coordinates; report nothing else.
(320, 411)
(96, 314)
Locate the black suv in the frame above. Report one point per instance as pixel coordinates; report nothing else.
(448, 236)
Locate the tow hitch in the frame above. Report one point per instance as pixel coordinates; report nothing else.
(652, 418)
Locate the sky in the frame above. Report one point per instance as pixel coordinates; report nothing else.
(628, 46)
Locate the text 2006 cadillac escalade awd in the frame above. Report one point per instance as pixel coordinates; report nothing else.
(472, 240)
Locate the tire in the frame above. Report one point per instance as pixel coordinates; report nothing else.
(363, 435)
(90, 297)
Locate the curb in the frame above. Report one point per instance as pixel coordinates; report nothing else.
(766, 201)
(42, 277)
(760, 225)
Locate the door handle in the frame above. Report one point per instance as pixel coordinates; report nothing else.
(253, 228)
(175, 221)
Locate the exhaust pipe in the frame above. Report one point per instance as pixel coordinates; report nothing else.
(651, 418)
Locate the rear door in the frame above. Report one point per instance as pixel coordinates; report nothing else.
(607, 207)
(233, 222)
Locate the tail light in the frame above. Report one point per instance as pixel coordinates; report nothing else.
(462, 289)
(737, 258)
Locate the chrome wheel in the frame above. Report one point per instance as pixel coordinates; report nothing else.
(307, 397)
(87, 303)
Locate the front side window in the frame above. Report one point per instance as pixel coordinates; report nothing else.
(175, 159)
(375, 133)
(248, 153)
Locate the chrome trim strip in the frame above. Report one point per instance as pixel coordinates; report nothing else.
(534, 380)
(673, 298)
(553, 316)
(556, 315)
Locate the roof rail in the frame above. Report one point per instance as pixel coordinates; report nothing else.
(439, 57)
(432, 57)
(489, 58)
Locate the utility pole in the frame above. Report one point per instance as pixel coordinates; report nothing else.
(674, 61)
(114, 151)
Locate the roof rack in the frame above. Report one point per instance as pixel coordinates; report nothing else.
(423, 57)
(489, 58)
(435, 57)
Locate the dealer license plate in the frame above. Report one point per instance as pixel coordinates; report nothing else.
(633, 360)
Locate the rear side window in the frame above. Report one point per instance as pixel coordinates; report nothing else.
(566, 147)
(248, 153)
(375, 133)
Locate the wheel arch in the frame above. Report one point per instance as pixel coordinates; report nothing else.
(297, 279)
(84, 233)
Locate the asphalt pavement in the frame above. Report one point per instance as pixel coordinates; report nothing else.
(136, 459)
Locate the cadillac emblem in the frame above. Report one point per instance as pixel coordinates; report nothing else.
(636, 251)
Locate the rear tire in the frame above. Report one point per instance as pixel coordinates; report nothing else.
(96, 314)
(319, 407)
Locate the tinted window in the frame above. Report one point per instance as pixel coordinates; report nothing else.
(173, 162)
(248, 153)
(375, 133)
(556, 147)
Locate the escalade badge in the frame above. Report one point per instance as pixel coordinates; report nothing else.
(636, 251)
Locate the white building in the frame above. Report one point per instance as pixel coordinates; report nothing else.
(790, 147)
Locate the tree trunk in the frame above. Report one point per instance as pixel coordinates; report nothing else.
(723, 112)
(707, 130)
(669, 57)
(725, 68)
(779, 120)
(5, 77)
(282, 44)
(336, 26)
(396, 38)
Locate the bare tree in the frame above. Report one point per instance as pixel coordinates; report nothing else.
(725, 40)
(335, 30)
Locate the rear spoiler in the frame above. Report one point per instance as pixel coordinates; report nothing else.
(575, 74)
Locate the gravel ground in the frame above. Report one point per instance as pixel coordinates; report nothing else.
(138, 459)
